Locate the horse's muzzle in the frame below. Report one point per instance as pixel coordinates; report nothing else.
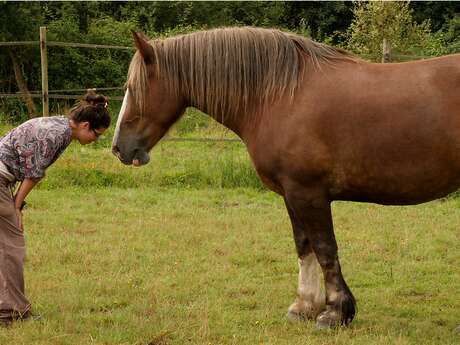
(138, 157)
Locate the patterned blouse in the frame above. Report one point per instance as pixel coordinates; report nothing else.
(30, 148)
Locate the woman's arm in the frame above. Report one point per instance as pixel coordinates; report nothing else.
(26, 186)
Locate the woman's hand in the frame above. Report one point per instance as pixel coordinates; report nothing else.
(23, 190)
(19, 214)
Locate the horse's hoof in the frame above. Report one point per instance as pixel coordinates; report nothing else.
(302, 311)
(457, 329)
(295, 316)
(327, 320)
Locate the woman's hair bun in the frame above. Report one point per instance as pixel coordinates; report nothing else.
(92, 108)
(92, 98)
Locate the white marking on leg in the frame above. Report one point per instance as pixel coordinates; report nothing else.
(310, 298)
(309, 280)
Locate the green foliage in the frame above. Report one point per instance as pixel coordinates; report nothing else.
(322, 18)
(73, 68)
(451, 37)
(12, 111)
(439, 12)
(19, 20)
(160, 16)
(447, 39)
(378, 20)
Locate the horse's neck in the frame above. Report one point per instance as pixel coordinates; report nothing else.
(237, 124)
(240, 121)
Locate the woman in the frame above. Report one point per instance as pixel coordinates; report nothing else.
(25, 153)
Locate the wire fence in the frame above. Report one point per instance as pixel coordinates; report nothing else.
(65, 44)
(37, 94)
(53, 94)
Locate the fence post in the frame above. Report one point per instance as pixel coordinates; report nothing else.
(386, 53)
(44, 63)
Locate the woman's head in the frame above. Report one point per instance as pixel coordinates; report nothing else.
(90, 118)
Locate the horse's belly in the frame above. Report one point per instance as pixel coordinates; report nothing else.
(396, 188)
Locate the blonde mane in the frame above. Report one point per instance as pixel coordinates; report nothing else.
(229, 72)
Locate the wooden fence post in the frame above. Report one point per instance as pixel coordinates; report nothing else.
(386, 53)
(44, 63)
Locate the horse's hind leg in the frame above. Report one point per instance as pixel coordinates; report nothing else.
(314, 219)
(310, 299)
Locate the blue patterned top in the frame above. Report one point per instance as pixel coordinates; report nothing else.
(30, 148)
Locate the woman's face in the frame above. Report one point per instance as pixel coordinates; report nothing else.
(86, 134)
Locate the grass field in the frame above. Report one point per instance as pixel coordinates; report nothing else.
(192, 250)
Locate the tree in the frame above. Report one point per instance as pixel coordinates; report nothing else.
(447, 39)
(20, 20)
(323, 19)
(378, 21)
(439, 12)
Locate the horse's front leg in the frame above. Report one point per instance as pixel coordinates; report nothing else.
(310, 299)
(313, 213)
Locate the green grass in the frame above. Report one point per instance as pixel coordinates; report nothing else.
(191, 249)
(173, 164)
(160, 265)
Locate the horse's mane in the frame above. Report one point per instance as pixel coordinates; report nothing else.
(232, 71)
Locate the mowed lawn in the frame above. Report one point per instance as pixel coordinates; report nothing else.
(159, 264)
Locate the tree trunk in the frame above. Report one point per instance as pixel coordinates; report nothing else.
(22, 85)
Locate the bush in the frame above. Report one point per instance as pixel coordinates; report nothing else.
(13, 111)
(378, 20)
(447, 40)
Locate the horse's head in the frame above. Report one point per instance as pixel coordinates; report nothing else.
(148, 108)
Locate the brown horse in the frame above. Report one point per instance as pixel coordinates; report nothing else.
(319, 124)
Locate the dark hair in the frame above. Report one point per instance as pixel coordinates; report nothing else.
(93, 109)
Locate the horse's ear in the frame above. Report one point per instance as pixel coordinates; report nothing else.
(145, 49)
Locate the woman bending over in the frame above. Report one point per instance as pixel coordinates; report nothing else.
(25, 153)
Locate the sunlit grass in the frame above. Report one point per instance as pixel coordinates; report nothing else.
(173, 164)
(161, 265)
